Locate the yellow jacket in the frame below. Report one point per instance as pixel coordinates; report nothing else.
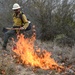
(18, 22)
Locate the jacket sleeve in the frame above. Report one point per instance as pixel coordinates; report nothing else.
(25, 24)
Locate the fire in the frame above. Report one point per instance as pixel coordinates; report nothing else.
(36, 58)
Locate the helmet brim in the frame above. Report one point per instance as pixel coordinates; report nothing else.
(15, 8)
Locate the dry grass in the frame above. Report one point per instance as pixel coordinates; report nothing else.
(7, 66)
(63, 55)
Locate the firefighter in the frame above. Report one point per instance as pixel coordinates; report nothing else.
(17, 23)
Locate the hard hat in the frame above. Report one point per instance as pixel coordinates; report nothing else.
(16, 6)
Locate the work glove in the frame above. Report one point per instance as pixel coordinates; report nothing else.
(21, 28)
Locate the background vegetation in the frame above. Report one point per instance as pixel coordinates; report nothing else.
(54, 19)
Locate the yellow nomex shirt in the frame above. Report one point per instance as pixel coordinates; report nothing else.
(18, 22)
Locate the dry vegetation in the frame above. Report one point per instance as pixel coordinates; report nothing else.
(9, 63)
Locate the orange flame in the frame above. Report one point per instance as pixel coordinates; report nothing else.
(36, 58)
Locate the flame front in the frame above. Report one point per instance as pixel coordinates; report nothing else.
(36, 58)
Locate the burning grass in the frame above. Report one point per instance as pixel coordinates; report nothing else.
(36, 58)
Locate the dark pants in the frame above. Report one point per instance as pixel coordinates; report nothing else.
(9, 34)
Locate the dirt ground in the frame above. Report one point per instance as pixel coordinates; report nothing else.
(64, 56)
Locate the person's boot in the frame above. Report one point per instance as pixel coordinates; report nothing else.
(5, 51)
(3, 47)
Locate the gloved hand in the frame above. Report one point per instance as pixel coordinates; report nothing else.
(21, 28)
